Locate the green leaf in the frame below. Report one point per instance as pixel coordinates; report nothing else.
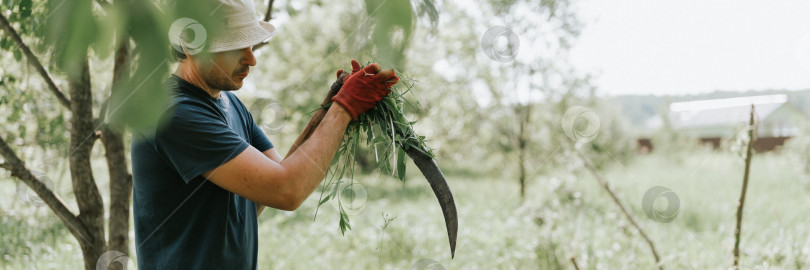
(369, 133)
(111, 26)
(323, 201)
(344, 221)
(18, 55)
(15, 114)
(334, 191)
(140, 100)
(25, 8)
(401, 164)
(335, 160)
(342, 227)
(5, 42)
(428, 8)
(71, 28)
(393, 24)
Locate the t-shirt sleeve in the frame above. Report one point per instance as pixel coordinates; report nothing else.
(196, 140)
(258, 138)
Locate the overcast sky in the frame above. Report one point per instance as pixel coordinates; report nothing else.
(678, 47)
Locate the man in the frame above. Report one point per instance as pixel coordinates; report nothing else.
(200, 178)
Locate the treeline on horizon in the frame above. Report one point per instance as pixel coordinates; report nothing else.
(639, 108)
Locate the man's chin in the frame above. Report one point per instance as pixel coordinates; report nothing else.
(225, 84)
(235, 88)
(235, 85)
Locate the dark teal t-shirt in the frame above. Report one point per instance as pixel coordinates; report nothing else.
(182, 220)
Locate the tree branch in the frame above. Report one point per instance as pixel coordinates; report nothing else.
(613, 196)
(34, 61)
(267, 18)
(740, 203)
(17, 168)
(574, 262)
(269, 10)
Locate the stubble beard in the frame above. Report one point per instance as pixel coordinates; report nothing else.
(219, 81)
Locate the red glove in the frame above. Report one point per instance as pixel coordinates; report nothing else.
(355, 68)
(364, 88)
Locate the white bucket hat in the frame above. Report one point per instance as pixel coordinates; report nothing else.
(242, 29)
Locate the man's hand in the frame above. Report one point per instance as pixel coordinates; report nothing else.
(333, 90)
(342, 74)
(341, 77)
(364, 88)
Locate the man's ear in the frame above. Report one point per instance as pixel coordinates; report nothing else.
(193, 58)
(185, 51)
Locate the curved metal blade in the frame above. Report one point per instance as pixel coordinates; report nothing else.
(439, 185)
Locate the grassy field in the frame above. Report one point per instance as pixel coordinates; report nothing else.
(565, 214)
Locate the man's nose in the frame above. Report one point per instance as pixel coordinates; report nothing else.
(247, 56)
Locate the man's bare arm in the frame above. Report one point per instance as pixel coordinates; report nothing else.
(313, 124)
(286, 184)
(273, 155)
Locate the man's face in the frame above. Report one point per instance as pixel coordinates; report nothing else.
(226, 70)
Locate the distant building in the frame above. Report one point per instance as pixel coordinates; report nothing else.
(715, 120)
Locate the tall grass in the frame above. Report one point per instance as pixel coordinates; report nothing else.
(564, 215)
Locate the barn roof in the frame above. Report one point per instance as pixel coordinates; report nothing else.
(721, 117)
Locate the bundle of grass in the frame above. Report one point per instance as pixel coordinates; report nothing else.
(384, 125)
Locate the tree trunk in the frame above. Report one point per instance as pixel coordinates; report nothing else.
(522, 168)
(82, 138)
(752, 131)
(523, 115)
(120, 189)
(120, 178)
